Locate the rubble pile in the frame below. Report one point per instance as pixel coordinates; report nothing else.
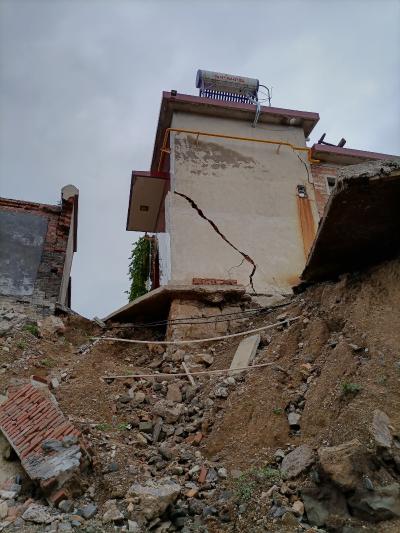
(310, 442)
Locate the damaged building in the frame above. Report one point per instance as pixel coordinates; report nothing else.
(37, 245)
(233, 198)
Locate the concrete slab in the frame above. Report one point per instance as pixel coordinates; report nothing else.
(155, 304)
(361, 222)
(245, 353)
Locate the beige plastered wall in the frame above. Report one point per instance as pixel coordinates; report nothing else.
(249, 191)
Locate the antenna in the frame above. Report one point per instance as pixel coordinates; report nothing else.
(340, 144)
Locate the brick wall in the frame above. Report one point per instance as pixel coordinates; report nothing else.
(49, 276)
(320, 173)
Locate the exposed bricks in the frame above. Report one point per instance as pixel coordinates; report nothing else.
(320, 173)
(28, 418)
(213, 281)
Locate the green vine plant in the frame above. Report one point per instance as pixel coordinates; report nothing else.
(139, 268)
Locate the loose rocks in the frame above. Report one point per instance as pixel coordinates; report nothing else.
(155, 497)
(297, 461)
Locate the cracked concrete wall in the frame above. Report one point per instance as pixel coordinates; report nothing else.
(246, 193)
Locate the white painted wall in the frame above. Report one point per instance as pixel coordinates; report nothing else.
(249, 191)
(164, 256)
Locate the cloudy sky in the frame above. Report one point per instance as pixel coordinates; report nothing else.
(81, 83)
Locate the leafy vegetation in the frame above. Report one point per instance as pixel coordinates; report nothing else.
(277, 410)
(33, 329)
(350, 388)
(256, 478)
(48, 362)
(139, 268)
(103, 426)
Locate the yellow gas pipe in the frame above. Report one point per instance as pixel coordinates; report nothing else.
(165, 150)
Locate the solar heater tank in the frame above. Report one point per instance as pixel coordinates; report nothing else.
(207, 80)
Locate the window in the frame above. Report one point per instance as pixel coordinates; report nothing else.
(330, 183)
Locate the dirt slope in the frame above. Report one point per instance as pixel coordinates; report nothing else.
(334, 367)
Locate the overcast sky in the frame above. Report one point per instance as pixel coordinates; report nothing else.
(81, 84)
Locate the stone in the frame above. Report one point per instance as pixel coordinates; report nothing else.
(221, 392)
(380, 429)
(3, 510)
(63, 526)
(133, 526)
(54, 383)
(139, 397)
(168, 411)
(155, 497)
(279, 455)
(222, 473)
(8, 494)
(88, 511)
(146, 427)
(288, 519)
(176, 357)
(112, 514)
(344, 464)
(381, 504)
(202, 359)
(298, 508)
(50, 325)
(174, 393)
(69, 440)
(294, 420)
(66, 506)
(36, 513)
(297, 461)
(323, 503)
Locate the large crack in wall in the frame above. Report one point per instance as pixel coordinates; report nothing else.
(218, 231)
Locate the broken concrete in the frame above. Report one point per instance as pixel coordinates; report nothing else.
(361, 223)
(245, 353)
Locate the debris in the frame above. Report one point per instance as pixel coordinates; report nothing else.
(50, 325)
(155, 497)
(112, 513)
(99, 322)
(202, 359)
(174, 393)
(344, 464)
(322, 503)
(294, 420)
(383, 503)
(30, 411)
(37, 514)
(190, 377)
(298, 508)
(297, 461)
(380, 429)
(245, 352)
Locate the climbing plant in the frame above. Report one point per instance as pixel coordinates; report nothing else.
(139, 268)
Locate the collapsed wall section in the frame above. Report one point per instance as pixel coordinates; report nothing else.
(37, 245)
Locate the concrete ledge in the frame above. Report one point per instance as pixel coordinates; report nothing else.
(155, 304)
(361, 222)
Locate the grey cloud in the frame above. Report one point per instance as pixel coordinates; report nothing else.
(81, 84)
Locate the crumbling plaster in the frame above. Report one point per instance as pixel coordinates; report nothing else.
(248, 190)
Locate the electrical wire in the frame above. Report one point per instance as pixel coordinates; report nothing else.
(205, 320)
(287, 321)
